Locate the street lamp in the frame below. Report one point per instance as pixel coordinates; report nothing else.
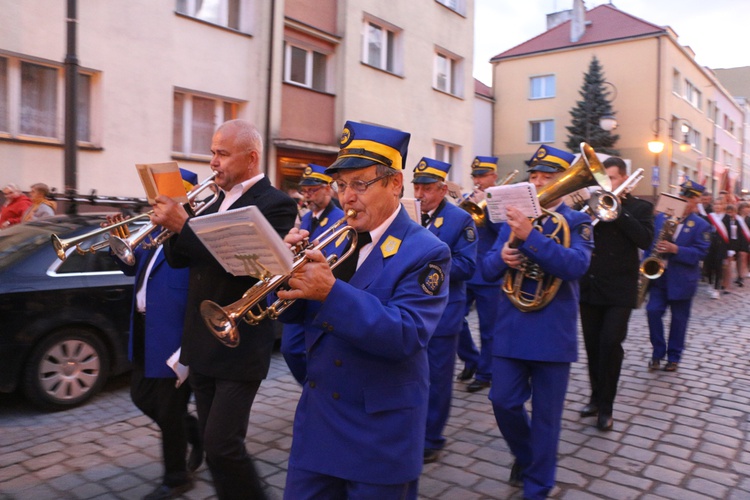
(609, 122)
(656, 146)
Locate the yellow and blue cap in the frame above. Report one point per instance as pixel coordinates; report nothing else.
(550, 160)
(691, 189)
(428, 171)
(314, 175)
(364, 145)
(189, 179)
(483, 165)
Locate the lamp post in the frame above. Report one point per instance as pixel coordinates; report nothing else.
(656, 145)
(607, 122)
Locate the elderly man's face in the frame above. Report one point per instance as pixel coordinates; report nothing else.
(317, 197)
(485, 180)
(430, 195)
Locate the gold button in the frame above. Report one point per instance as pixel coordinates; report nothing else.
(336, 395)
(312, 384)
(338, 362)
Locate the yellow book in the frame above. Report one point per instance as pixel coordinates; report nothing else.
(162, 178)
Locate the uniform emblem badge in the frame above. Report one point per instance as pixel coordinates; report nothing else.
(438, 222)
(390, 246)
(690, 223)
(341, 239)
(431, 279)
(324, 221)
(308, 171)
(422, 166)
(346, 136)
(585, 232)
(470, 234)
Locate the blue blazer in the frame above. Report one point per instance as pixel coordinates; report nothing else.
(683, 272)
(548, 334)
(487, 234)
(368, 376)
(166, 296)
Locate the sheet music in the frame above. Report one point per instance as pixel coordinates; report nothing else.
(670, 205)
(413, 208)
(243, 242)
(521, 195)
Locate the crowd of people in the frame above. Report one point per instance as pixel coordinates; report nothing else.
(374, 340)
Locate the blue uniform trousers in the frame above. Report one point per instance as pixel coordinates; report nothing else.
(302, 485)
(533, 441)
(441, 354)
(486, 298)
(655, 309)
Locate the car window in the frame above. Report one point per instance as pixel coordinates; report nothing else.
(18, 241)
(98, 262)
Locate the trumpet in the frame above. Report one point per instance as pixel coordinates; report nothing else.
(124, 247)
(605, 205)
(475, 201)
(223, 321)
(125, 242)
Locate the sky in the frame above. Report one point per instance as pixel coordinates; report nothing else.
(712, 28)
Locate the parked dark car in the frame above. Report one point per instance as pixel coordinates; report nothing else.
(63, 324)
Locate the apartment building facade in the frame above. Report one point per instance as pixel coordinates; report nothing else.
(156, 78)
(660, 93)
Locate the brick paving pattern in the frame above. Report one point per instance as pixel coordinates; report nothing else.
(677, 435)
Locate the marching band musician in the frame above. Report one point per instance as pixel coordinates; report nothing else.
(225, 380)
(323, 213)
(609, 292)
(484, 293)
(456, 228)
(676, 287)
(360, 423)
(532, 351)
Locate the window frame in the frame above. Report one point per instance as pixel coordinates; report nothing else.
(391, 59)
(454, 76)
(542, 137)
(223, 106)
(544, 86)
(439, 150)
(457, 6)
(12, 103)
(229, 14)
(310, 67)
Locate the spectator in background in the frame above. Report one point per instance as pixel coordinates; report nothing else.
(16, 203)
(41, 207)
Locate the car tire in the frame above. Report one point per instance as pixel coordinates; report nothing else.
(66, 369)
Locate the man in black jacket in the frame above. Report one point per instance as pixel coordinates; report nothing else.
(225, 380)
(609, 292)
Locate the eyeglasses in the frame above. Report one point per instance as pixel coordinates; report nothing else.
(310, 190)
(357, 186)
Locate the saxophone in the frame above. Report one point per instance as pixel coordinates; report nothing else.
(655, 264)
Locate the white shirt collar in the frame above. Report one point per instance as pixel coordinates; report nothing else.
(238, 190)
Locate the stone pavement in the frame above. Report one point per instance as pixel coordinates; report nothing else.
(677, 435)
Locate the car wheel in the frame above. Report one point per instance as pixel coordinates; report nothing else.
(66, 369)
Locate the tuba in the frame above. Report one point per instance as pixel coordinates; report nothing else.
(587, 171)
(475, 202)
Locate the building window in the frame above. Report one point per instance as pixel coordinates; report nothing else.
(447, 153)
(305, 67)
(221, 12)
(32, 103)
(543, 131)
(447, 74)
(196, 117)
(455, 5)
(380, 47)
(693, 95)
(677, 82)
(542, 87)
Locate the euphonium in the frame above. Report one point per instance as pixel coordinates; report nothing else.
(223, 321)
(475, 202)
(587, 171)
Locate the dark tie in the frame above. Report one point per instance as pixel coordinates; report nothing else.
(346, 269)
(425, 219)
(314, 224)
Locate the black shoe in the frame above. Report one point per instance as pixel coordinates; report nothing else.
(164, 492)
(195, 459)
(478, 385)
(431, 455)
(516, 475)
(466, 374)
(671, 366)
(604, 422)
(654, 364)
(589, 410)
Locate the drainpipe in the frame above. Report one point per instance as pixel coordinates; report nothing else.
(71, 96)
(267, 134)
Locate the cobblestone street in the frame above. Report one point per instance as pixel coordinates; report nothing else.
(677, 435)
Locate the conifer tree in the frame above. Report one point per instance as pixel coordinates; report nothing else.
(595, 102)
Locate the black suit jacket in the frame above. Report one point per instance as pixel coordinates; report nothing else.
(201, 351)
(612, 277)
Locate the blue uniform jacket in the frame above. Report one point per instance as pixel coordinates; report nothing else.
(456, 228)
(683, 273)
(548, 334)
(487, 234)
(362, 412)
(166, 296)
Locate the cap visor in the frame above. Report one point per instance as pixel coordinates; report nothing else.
(349, 162)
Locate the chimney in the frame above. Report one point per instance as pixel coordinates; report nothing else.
(577, 21)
